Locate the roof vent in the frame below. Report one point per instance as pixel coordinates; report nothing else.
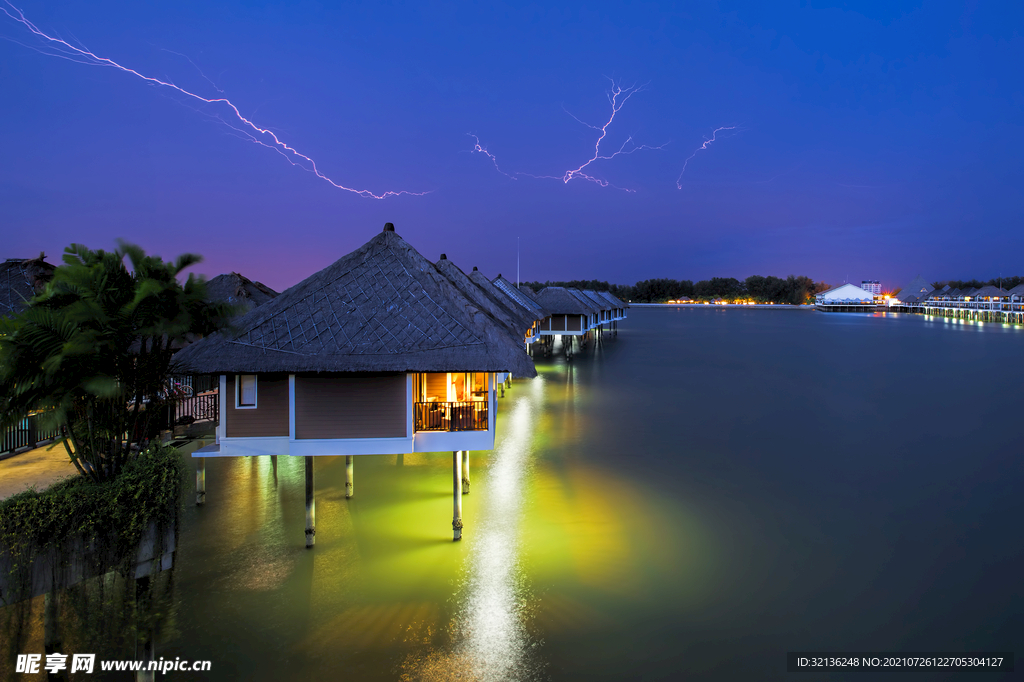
(474, 268)
(389, 227)
(444, 257)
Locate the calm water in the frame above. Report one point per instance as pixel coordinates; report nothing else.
(694, 498)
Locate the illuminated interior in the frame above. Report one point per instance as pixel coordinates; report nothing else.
(450, 387)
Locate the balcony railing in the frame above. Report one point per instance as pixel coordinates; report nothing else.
(26, 434)
(194, 408)
(470, 415)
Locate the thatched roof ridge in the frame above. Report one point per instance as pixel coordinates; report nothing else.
(582, 298)
(523, 296)
(20, 280)
(599, 301)
(516, 326)
(615, 300)
(561, 301)
(381, 308)
(239, 290)
(520, 312)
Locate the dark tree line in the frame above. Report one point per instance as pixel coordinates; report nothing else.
(1006, 283)
(793, 289)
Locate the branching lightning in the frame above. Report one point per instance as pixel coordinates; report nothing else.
(478, 148)
(679, 180)
(262, 136)
(617, 97)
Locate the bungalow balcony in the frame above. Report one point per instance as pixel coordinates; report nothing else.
(459, 416)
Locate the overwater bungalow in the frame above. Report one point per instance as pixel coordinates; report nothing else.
(603, 305)
(569, 315)
(378, 353)
(618, 306)
(239, 290)
(594, 311)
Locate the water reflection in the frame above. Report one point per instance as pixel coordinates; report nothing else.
(490, 637)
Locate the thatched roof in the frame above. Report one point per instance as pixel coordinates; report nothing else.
(598, 300)
(919, 285)
(990, 292)
(522, 296)
(582, 298)
(524, 315)
(619, 303)
(20, 280)
(381, 308)
(515, 325)
(1017, 290)
(239, 290)
(561, 301)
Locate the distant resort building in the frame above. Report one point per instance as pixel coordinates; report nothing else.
(847, 298)
(987, 304)
(873, 286)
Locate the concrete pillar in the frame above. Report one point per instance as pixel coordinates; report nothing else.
(310, 505)
(51, 640)
(465, 472)
(145, 648)
(457, 495)
(200, 480)
(349, 477)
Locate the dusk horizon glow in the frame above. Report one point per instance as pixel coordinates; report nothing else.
(869, 140)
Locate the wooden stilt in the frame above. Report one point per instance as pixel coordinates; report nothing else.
(457, 495)
(465, 472)
(350, 489)
(310, 505)
(201, 480)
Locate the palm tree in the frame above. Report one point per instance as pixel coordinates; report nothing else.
(91, 349)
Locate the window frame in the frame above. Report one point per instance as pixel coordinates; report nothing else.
(238, 392)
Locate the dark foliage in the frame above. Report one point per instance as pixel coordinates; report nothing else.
(1006, 283)
(794, 289)
(92, 351)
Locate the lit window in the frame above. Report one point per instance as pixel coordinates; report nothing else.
(246, 390)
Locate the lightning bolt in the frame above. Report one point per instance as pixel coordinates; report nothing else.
(679, 180)
(479, 148)
(617, 97)
(254, 133)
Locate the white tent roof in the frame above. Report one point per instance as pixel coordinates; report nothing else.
(846, 292)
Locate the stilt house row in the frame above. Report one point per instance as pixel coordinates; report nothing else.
(574, 312)
(379, 353)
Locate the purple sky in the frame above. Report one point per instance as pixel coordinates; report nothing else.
(873, 140)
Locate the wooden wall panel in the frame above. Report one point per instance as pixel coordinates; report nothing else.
(350, 407)
(270, 418)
